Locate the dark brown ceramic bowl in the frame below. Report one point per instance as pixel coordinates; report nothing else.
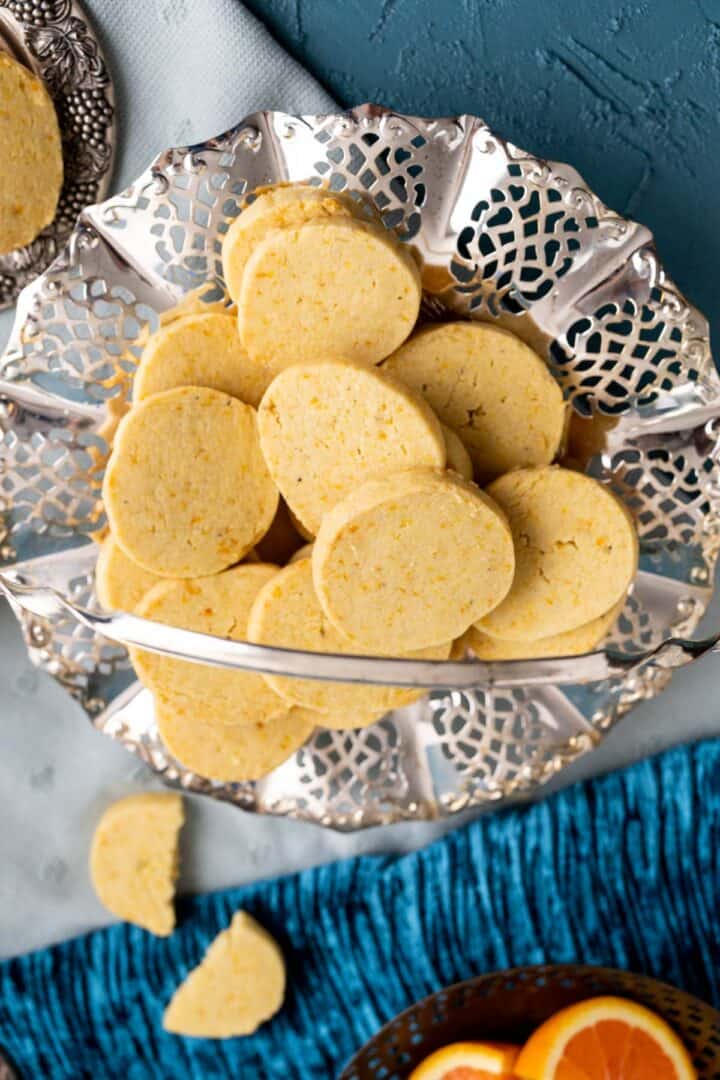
(509, 1005)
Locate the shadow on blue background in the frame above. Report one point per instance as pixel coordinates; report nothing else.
(628, 93)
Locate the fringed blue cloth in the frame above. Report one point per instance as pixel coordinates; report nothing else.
(622, 871)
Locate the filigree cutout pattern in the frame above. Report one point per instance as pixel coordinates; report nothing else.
(78, 658)
(359, 772)
(49, 481)
(623, 356)
(494, 739)
(519, 242)
(385, 162)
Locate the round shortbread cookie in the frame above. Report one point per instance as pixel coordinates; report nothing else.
(408, 561)
(353, 721)
(337, 287)
(281, 540)
(287, 613)
(238, 985)
(120, 583)
(300, 528)
(305, 552)
(576, 553)
(327, 426)
(490, 388)
(575, 642)
(274, 208)
(199, 350)
(31, 165)
(458, 458)
(134, 859)
(186, 490)
(231, 752)
(218, 605)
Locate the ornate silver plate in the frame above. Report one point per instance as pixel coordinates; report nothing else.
(55, 40)
(503, 236)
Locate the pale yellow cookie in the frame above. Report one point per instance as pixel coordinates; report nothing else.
(281, 540)
(305, 552)
(274, 208)
(576, 553)
(490, 388)
(328, 425)
(575, 642)
(458, 458)
(287, 613)
(300, 528)
(218, 605)
(186, 490)
(134, 859)
(31, 165)
(120, 583)
(239, 984)
(199, 350)
(231, 753)
(412, 559)
(337, 287)
(353, 721)
(195, 302)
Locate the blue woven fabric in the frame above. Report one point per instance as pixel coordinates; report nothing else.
(624, 871)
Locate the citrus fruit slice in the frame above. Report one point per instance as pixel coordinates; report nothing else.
(604, 1038)
(468, 1061)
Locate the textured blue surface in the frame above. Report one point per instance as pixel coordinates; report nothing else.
(623, 871)
(626, 92)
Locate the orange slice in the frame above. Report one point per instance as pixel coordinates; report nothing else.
(604, 1038)
(468, 1061)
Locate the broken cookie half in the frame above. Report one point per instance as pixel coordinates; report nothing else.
(134, 859)
(238, 985)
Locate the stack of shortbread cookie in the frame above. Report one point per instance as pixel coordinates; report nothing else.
(415, 466)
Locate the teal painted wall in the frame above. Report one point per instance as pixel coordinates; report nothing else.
(627, 92)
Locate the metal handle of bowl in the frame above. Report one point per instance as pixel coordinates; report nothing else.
(132, 631)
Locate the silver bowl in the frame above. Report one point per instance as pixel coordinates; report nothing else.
(502, 236)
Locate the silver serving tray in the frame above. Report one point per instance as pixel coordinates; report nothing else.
(502, 236)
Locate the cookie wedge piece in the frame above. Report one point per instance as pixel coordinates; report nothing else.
(328, 425)
(231, 753)
(134, 859)
(186, 490)
(120, 583)
(239, 985)
(287, 613)
(278, 207)
(200, 349)
(408, 561)
(31, 164)
(576, 552)
(339, 287)
(218, 605)
(490, 388)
